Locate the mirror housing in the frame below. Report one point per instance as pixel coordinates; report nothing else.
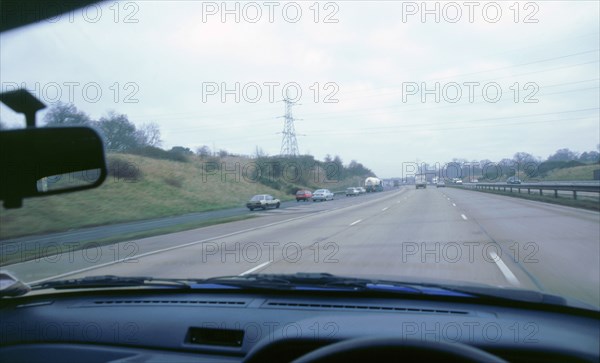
(43, 161)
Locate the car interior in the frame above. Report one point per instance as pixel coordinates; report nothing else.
(303, 317)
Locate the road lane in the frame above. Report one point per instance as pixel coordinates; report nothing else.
(309, 237)
(558, 246)
(424, 236)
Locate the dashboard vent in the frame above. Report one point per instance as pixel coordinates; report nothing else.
(121, 302)
(299, 305)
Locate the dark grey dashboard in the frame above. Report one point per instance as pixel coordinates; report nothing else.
(233, 327)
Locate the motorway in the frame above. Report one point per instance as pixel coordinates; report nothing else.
(430, 234)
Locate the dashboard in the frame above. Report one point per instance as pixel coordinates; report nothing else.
(162, 326)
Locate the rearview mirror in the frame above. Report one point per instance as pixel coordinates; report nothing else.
(43, 161)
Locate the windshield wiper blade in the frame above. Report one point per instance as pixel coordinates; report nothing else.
(110, 281)
(509, 294)
(312, 281)
(329, 282)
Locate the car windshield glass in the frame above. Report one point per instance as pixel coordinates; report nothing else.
(218, 119)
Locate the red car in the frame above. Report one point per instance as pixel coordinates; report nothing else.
(304, 195)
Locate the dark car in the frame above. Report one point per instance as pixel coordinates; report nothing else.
(305, 195)
(351, 192)
(513, 180)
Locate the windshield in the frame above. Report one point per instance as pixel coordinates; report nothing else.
(203, 106)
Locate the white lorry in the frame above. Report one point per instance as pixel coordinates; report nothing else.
(373, 184)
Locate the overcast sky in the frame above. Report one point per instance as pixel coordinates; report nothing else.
(362, 69)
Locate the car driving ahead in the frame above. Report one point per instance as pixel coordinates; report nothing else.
(352, 192)
(513, 180)
(321, 195)
(305, 195)
(263, 201)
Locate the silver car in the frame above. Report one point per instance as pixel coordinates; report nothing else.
(322, 194)
(263, 201)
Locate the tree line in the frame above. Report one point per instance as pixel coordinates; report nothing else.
(523, 162)
(118, 133)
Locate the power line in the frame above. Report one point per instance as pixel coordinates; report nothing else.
(385, 129)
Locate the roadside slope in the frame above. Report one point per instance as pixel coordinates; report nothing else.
(137, 188)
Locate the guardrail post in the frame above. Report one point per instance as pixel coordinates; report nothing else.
(528, 191)
(574, 194)
(555, 193)
(541, 192)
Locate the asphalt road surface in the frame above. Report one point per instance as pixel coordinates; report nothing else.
(445, 233)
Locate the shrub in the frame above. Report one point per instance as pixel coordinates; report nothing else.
(121, 170)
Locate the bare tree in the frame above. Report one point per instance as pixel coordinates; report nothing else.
(63, 114)
(203, 151)
(259, 152)
(149, 134)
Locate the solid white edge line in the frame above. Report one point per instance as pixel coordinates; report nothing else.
(255, 268)
(356, 222)
(504, 269)
(464, 217)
